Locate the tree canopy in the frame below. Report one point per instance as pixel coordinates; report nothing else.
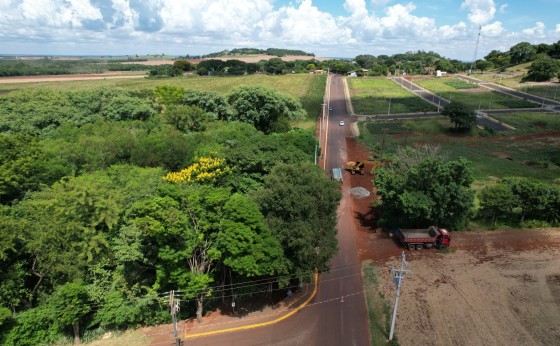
(433, 192)
(461, 115)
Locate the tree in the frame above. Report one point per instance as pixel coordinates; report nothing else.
(187, 118)
(214, 229)
(275, 66)
(299, 203)
(497, 202)
(433, 192)
(484, 65)
(543, 69)
(212, 103)
(522, 52)
(268, 110)
(461, 115)
(183, 65)
(169, 95)
(70, 304)
(366, 61)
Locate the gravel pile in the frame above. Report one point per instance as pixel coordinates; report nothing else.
(359, 192)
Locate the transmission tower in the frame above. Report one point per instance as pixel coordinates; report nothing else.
(475, 50)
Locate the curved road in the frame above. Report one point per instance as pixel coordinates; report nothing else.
(337, 315)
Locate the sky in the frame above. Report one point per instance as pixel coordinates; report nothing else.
(327, 28)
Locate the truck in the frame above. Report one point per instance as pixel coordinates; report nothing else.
(418, 239)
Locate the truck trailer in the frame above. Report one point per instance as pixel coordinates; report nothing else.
(418, 239)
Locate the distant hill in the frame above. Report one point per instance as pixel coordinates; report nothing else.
(277, 52)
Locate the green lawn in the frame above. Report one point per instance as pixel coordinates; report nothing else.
(480, 99)
(382, 96)
(510, 154)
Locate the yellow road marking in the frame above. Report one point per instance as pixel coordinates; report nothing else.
(258, 325)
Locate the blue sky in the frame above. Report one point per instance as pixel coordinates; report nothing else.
(329, 28)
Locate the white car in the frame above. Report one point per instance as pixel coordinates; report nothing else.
(341, 123)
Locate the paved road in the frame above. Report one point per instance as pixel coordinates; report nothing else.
(519, 94)
(337, 315)
(440, 102)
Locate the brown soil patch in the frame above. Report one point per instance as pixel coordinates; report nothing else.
(493, 288)
(69, 77)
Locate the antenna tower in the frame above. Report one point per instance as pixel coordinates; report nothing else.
(475, 50)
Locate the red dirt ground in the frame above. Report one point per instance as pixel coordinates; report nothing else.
(493, 288)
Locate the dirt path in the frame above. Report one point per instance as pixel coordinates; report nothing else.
(497, 288)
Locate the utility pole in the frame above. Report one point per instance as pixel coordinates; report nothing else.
(174, 307)
(398, 278)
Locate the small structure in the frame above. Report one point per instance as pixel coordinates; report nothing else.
(337, 174)
(352, 74)
(440, 73)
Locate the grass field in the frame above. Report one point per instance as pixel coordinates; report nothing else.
(478, 99)
(308, 88)
(530, 122)
(378, 308)
(535, 154)
(382, 96)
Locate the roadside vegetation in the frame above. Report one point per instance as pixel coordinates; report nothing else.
(379, 308)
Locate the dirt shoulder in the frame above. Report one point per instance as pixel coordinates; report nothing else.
(496, 288)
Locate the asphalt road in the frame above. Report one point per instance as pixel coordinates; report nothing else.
(436, 100)
(519, 94)
(337, 315)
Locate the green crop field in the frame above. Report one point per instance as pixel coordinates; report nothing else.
(480, 99)
(382, 96)
(308, 88)
(535, 154)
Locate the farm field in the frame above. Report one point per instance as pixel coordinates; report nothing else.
(382, 96)
(476, 98)
(524, 154)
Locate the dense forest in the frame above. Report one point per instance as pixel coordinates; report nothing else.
(110, 198)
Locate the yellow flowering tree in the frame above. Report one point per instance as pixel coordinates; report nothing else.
(203, 170)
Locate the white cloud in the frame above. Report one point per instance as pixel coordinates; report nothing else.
(480, 11)
(201, 26)
(536, 31)
(492, 30)
(380, 3)
(503, 8)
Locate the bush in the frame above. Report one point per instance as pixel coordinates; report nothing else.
(535, 224)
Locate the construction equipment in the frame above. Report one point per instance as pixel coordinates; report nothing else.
(355, 166)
